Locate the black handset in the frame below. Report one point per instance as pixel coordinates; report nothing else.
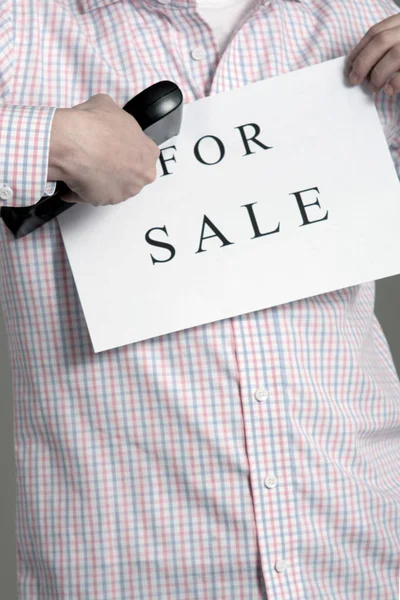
(158, 110)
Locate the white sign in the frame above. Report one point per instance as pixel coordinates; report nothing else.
(272, 192)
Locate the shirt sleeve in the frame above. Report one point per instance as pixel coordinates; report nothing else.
(24, 154)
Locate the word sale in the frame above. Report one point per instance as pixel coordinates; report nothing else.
(217, 233)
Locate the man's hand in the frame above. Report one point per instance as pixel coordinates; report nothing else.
(376, 58)
(101, 152)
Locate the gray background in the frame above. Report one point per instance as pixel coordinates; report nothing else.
(387, 311)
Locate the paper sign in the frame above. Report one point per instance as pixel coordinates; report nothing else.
(273, 192)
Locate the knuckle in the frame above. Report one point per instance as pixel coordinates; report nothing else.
(136, 190)
(150, 175)
(153, 149)
(104, 99)
(374, 30)
(156, 151)
(133, 190)
(100, 96)
(111, 199)
(116, 200)
(395, 53)
(383, 38)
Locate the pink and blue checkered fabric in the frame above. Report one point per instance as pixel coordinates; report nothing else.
(152, 471)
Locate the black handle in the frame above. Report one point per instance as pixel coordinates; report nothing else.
(158, 110)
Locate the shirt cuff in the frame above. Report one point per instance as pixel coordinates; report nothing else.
(50, 188)
(24, 154)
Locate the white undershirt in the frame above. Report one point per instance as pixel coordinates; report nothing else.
(223, 16)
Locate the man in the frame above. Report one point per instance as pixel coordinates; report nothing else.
(253, 458)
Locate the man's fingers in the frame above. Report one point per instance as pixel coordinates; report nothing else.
(377, 29)
(386, 68)
(393, 86)
(385, 42)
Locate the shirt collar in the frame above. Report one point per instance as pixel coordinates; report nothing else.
(88, 5)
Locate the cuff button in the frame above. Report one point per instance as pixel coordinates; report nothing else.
(6, 193)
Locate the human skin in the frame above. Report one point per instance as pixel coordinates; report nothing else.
(101, 153)
(376, 58)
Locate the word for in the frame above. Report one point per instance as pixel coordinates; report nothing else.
(199, 151)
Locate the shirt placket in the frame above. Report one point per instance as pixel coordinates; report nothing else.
(270, 442)
(197, 45)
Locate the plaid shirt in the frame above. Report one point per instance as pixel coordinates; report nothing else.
(251, 458)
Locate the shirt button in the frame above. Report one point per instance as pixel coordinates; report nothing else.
(261, 394)
(280, 565)
(270, 481)
(198, 53)
(6, 193)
